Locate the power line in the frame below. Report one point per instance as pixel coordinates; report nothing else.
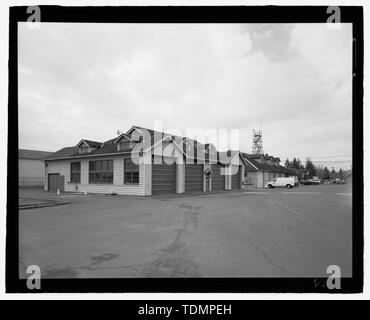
(338, 161)
(323, 156)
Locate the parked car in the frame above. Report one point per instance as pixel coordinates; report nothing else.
(288, 182)
(315, 180)
(307, 181)
(339, 181)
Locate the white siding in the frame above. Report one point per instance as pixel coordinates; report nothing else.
(260, 183)
(118, 171)
(147, 179)
(253, 177)
(228, 171)
(63, 168)
(180, 178)
(85, 172)
(271, 176)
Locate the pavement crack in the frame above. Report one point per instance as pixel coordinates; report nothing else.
(298, 214)
(174, 261)
(254, 243)
(98, 259)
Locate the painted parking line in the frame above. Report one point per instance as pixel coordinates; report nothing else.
(300, 192)
(344, 194)
(251, 192)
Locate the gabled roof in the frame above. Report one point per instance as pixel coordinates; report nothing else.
(152, 132)
(108, 147)
(63, 153)
(90, 143)
(195, 145)
(32, 154)
(230, 155)
(265, 166)
(122, 135)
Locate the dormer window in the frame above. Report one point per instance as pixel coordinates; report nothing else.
(86, 146)
(137, 138)
(84, 149)
(125, 146)
(124, 143)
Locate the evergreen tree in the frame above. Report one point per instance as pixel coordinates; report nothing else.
(326, 173)
(340, 174)
(333, 174)
(320, 171)
(310, 168)
(287, 163)
(299, 164)
(294, 163)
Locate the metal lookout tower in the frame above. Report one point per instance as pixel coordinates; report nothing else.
(257, 147)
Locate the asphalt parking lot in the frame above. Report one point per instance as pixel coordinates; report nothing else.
(261, 233)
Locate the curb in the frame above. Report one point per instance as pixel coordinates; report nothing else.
(42, 205)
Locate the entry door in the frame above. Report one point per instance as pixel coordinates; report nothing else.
(53, 181)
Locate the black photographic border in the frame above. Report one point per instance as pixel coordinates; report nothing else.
(187, 14)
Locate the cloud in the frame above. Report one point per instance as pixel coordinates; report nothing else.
(87, 80)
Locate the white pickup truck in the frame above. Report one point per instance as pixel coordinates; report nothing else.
(287, 182)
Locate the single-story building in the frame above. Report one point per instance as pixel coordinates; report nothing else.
(262, 168)
(31, 168)
(142, 162)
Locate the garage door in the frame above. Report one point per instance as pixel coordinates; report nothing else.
(193, 177)
(218, 180)
(235, 180)
(163, 178)
(53, 181)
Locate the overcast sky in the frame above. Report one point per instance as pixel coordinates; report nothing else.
(88, 80)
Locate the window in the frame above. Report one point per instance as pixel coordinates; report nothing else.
(124, 146)
(84, 149)
(131, 171)
(75, 172)
(101, 171)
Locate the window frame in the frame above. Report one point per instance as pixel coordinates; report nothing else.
(75, 172)
(101, 169)
(84, 149)
(130, 169)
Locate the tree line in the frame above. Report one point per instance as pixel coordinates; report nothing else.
(309, 170)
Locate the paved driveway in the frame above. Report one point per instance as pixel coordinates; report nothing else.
(268, 233)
